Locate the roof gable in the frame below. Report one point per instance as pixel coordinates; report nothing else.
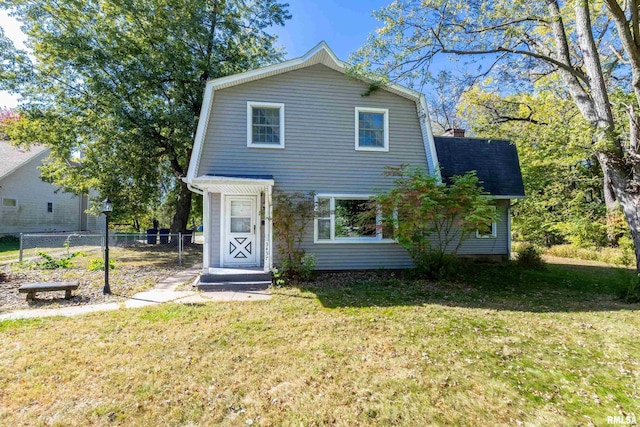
(320, 54)
(14, 158)
(494, 160)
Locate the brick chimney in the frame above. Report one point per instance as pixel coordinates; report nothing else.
(458, 133)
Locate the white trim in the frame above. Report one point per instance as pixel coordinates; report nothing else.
(506, 197)
(427, 137)
(329, 59)
(332, 234)
(268, 230)
(256, 229)
(203, 122)
(494, 230)
(207, 230)
(385, 119)
(10, 208)
(250, 106)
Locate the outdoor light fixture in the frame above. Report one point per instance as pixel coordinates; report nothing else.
(107, 208)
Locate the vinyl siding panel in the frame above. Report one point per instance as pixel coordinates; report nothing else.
(319, 153)
(33, 195)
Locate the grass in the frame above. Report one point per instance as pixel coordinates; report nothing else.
(500, 346)
(9, 249)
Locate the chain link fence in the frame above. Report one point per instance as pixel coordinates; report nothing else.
(60, 244)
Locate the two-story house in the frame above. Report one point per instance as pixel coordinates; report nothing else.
(304, 125)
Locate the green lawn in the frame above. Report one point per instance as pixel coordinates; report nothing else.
(9, 250)
(502, 346)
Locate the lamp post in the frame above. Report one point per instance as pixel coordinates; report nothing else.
(107, 208)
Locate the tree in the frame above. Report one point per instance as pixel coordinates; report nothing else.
(121, 81)
(561, 176)
(431, 221)
(594, 48)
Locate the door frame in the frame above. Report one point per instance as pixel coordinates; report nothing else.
(223, 227)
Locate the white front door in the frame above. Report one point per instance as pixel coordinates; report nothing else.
(240, 231)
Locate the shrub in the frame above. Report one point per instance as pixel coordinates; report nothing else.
(431, 220)
(97, 264)
(292, 214)
(8, 238)
(530, 257)
(50, 263)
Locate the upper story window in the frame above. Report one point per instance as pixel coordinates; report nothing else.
(9, 203)
(49, 207)
(265, 125)
(372, 129)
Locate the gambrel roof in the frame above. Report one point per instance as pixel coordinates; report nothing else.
(320, 54)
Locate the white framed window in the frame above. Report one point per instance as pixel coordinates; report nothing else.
(488, 232)
(347, 218)
(8, 203)
(372, 129)
(265, 125)
(49, 207)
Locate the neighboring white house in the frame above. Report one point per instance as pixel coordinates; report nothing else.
(29, 204)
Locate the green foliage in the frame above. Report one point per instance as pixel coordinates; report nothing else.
(562, 179)
(122, 83)
(97, 264)
(292, 214)
(622, 255)
(51, 263)
(289, 273)
(632, 294)
(432, 220)
(8, 238)
(530, 257)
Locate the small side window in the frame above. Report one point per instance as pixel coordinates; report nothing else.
(49, 207)
(9, 203)
(488, 232)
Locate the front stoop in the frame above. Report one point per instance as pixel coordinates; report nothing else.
(220, 281)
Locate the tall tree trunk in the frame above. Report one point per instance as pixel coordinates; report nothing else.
(183, 209)
(628, 195)
(613, 211)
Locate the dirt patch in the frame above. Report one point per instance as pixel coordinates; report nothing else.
(124, 282)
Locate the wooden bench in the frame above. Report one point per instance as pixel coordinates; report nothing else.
(31, 288)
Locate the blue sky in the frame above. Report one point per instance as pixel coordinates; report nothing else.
(344, 25)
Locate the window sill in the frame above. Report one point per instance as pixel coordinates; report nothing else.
(271, 146)
(374, 149)
(355, 241)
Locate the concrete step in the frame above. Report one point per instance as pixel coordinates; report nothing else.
(234, 286)
(236, 278)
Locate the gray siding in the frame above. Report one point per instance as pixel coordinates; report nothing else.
(319, 153)
(214, 223)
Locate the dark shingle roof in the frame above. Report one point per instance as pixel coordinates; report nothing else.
(494, 160)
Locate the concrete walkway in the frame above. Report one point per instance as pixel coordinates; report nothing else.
(165, 291)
